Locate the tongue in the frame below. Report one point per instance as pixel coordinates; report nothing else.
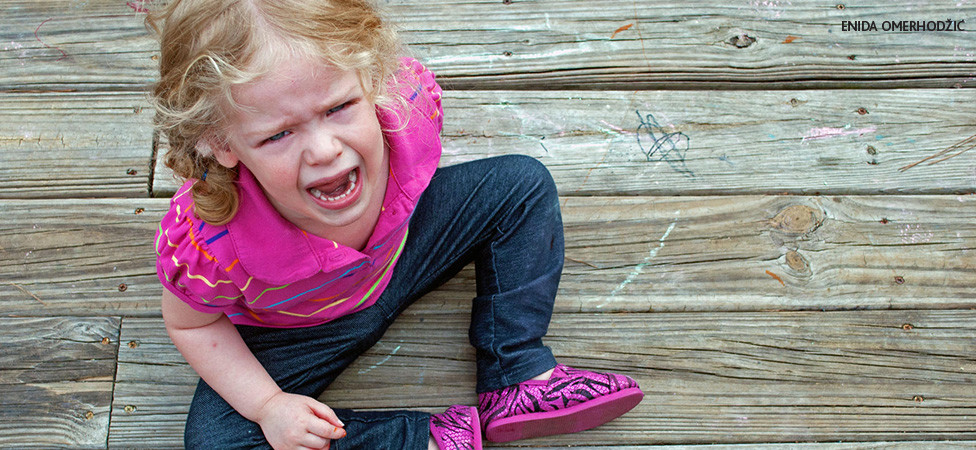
(335, 188)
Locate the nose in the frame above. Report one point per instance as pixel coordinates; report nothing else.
(322, 148)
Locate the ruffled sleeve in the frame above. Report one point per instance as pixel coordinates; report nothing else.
(413, 135)
(422, 95)
(184, 264)
(429, 88)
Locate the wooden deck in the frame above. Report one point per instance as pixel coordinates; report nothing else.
(770, 220)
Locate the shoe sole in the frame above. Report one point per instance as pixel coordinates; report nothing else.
(476, 427)
(570, 420)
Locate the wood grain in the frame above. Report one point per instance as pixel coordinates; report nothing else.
(760, 253)
(69, 46)
(720, 378)
(837, 317)
(564, 44)
(717, 143)
(153, 388)
(79, 257)
(75, 145)
(536, 44)
(716, 253)
(56, 379)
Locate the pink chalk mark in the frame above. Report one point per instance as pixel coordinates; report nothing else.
(63, 53)
(615, 128)
(138, 6)
(827, 132)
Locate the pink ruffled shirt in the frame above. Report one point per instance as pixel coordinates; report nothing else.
(259, 269)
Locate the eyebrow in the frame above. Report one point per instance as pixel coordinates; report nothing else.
(263, 130)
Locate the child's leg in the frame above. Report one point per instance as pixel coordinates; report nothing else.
(305, 361)
(503, 214)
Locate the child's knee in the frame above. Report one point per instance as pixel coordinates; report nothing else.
(529, 172)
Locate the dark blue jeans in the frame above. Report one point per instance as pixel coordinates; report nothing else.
(503, 214)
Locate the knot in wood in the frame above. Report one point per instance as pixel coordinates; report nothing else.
(741, 41)
(797, 219)
(796, 261)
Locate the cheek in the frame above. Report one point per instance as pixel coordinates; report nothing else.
(376, 167)
(280, 178)
(373, 146)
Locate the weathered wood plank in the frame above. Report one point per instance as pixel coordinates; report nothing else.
(56, 379)
(150, 367)
(75, 145)
(693, 143)
(759, 253)
(67, 45)
(566, 44)
(79, 257)
(709, 377)
(622, 44)
(623, 254)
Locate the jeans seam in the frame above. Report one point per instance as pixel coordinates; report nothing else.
(498, 360)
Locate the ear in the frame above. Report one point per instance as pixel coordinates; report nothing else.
(220, 150)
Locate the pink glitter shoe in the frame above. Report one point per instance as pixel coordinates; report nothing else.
(571, 400)
(457, 428)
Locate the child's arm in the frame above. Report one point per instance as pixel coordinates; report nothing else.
(214, 348)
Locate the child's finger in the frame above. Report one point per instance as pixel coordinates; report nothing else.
(326, 430)
(326, 413)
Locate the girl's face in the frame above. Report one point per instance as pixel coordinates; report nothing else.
(314, 143)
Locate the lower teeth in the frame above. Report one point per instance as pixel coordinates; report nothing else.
(352, 185)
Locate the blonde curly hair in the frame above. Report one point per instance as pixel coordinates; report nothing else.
(208, 46)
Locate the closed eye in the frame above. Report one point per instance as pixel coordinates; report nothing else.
(338, 108)
(277, 137)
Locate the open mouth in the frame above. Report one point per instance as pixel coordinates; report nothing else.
(338, 189)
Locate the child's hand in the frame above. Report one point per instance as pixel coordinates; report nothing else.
(291, 421)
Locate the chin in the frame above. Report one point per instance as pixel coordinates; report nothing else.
(345, 217)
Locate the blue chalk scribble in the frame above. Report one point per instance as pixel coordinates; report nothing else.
(660, 145)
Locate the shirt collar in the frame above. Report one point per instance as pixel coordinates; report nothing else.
(269, 247)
